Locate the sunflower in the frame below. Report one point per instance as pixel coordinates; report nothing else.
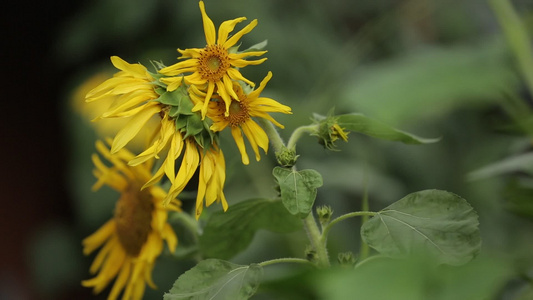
(214, 67)
(240, 116)
(131, 93)
(133, 239)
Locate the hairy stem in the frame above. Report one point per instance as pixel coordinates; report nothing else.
(297, 134)
(315, 237)
(273, 134)
(285, 260)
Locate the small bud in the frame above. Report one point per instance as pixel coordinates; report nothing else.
(286, 157)
(329, 131)
(346, 259)
(324, 214)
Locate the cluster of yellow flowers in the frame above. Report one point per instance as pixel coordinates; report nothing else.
(193, 100)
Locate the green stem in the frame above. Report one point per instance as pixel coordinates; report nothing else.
(285, 260)
(297, 134)
(364, 250)
(315, 237)
(327, 228)
(517, 37)
(273, 134)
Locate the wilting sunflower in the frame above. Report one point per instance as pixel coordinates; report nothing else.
(215, 66)
(130, 93)
(133, 239)
(240, 116)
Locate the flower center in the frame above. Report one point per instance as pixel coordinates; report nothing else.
(133, 218)
(238, 113)
(213, 62)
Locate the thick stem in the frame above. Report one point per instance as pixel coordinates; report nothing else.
(315, 237)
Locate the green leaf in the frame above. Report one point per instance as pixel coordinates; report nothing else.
(432, 222)
(216, 279)
(298, 189)
(228, 233)
(374, 128)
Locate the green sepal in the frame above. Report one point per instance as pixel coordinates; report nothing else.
(217, 279)
(179, 101)
(298, 189)
(194, 125)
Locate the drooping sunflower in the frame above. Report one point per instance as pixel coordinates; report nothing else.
(133, 239)
(214, 67)
(239, 119)
(131, 93)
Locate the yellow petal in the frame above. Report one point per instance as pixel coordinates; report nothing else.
(134, 126)
(237, 136)
(120, 282)
(209, 27)
(237, 36)
(225, 28)
(98, 238)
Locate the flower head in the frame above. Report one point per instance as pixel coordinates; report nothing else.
(133, 239)
(130, 93)
(239, 119)
(213, 68)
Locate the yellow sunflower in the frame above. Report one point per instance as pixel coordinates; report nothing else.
(133, 239)
(240, 116)
(130, 92)
(214, 66)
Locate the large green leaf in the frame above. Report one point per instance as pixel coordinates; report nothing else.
(216, 279)
(228, 233)
(431, 222)
(298, 189)
(374, 128)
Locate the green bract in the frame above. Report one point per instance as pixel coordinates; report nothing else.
(431, 222)
(188, 122)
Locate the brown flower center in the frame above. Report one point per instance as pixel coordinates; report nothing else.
(214, 62)
(238, 113)
(133, 218)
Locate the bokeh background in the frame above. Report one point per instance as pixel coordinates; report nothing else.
(436, 68)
